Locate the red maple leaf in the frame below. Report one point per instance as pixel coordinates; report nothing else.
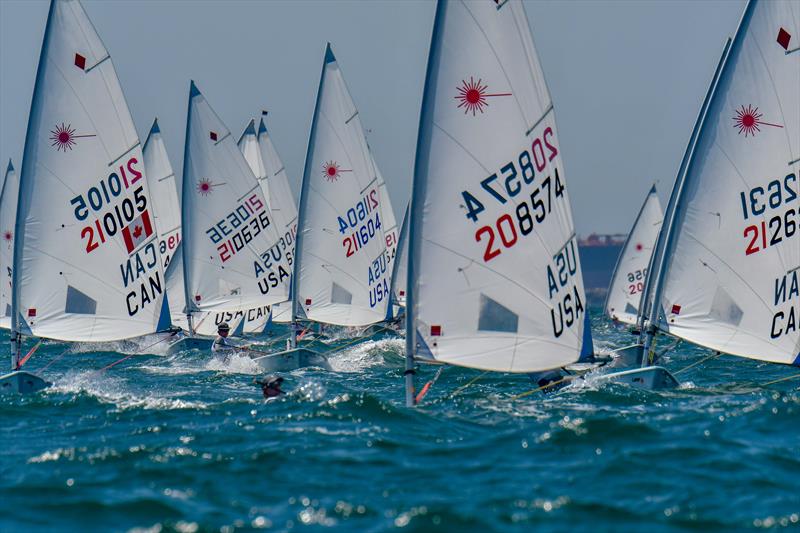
(137, 231)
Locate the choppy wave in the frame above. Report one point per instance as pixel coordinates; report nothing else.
(183, 442)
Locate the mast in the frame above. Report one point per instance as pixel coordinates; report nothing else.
(418, 193)
(655, 258)
(669, 237)
(190, 307)
(19, 223)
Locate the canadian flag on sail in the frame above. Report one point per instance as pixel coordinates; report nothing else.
(137, 231)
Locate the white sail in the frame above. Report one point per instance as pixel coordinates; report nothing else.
(630, 273)
(391, 232)
(265, 163)
(86, 260)
(164, 189)
(342, 276)
(231, 255)
(283, 203)
(730, 279)
(8, 215)
(494, 276)
(203, 323)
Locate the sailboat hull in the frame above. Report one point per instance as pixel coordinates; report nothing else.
(22, 383)
(190, 343)
(289, 360)
(649, 378)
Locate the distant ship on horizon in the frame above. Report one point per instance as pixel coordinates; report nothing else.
(599, 253)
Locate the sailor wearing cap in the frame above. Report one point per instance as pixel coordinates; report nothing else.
(222, 346)
(270, 386)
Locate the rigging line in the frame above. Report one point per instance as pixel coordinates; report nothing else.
(786, 378)
(29, 354)
(565, 379)
(701, 361)
(470, 382)
(137, 352)
(45, 367)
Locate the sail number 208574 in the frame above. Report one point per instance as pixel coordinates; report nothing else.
(514, 184)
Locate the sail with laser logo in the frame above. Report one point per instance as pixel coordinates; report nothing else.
(730, 280)
(8, 215)
(630, 272)
(342, 273)
(231, 253)
(494, 276)
(86, 261)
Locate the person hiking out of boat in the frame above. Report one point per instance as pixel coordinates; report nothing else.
(270, 386)
(222, 346)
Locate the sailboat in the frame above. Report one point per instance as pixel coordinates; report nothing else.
(341, 273)
(86, 266)
(630, 272)
(266, 164)
(167, 215)
(726, 278)
(494, 278)
(232, 257)
(8, 215)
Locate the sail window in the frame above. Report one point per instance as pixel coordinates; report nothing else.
(79, 303)
(496, 317)
(724, 309)
(340, 295)
(631, 310)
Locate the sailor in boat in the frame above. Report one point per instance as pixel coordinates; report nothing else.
(223, 347)
(270, 386)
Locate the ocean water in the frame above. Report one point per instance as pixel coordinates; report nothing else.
(181, 443)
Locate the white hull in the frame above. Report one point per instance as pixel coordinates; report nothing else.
(649, 378)
(20, 382)
(291, 360)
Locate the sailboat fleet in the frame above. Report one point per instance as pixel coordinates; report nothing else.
(103, 240)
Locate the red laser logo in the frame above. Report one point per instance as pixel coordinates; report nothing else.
(63, 137)
(332, 171)
(748, 120)
(204, 187)
(472, 96)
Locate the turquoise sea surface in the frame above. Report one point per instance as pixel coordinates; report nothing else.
(183, 443)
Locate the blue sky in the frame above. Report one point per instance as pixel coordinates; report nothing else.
(627, 78)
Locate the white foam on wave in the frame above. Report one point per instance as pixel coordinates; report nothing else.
(112, 389)
(365, 355)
